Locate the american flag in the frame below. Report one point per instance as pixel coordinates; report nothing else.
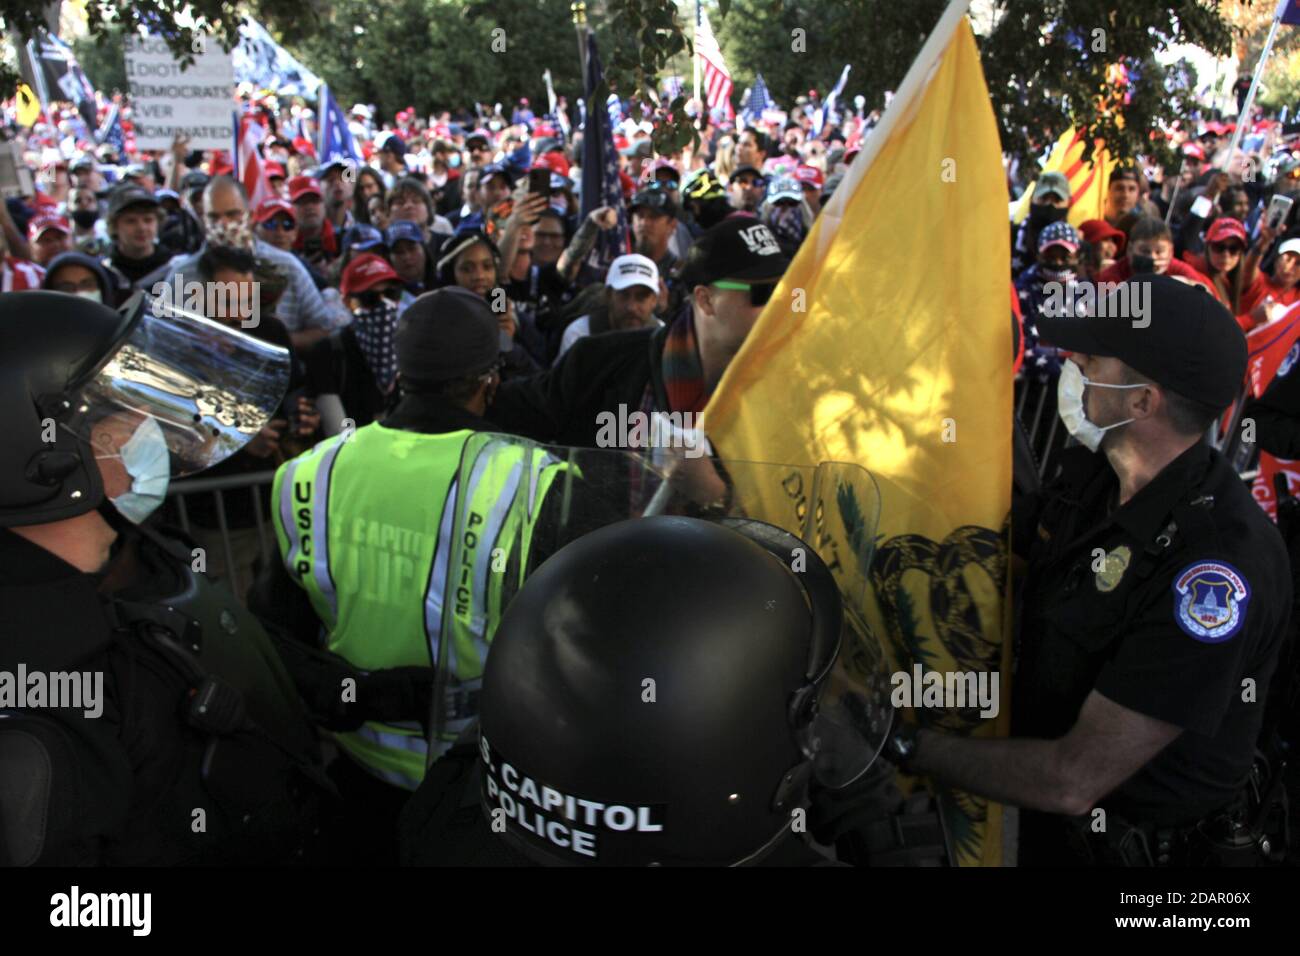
(110, 133)
(600, 182)
(759, 100)
(249, 169)
(717, 78)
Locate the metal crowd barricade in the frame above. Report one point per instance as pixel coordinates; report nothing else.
(190, 488)
(1036, 411)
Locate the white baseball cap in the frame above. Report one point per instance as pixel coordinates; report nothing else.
(1291, 245)
(633, 269)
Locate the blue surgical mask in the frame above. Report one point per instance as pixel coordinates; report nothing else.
(148, 462)
(454, 160)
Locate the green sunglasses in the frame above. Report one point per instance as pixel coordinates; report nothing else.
(758, 294)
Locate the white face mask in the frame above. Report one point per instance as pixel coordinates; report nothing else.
(1069, 405)
(148, 462)
(94, 295)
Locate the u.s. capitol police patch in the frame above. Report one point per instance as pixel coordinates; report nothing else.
(1211, 598)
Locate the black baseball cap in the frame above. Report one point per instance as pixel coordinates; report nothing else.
(746, 168)
(446, 334)
(124, 197)
(658, 199)
(741, 248)
(1186, 341)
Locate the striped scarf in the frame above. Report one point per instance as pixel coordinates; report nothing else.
(683, 373)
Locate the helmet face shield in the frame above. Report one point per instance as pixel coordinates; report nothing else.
(522, 502)
(209, 387)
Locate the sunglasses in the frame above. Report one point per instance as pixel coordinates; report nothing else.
(1222, 247)
(370, 298)
(280, 225)
(759, 293)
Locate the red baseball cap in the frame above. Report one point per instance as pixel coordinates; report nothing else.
(275, 171)
(273, 207)
(42, 224)
(1193, 151)
(1221, 230)
(301, 186)
(365, 271)
(1095, 230)
(809, 176)
(555, 162)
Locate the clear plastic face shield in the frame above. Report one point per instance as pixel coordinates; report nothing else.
(518, 502)
(208, 387)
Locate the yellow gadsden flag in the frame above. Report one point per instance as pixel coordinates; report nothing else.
(1088, 181)
(888, 345)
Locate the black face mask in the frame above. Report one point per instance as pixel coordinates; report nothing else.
(1041, 215)
(1142, 265)
(84, 218)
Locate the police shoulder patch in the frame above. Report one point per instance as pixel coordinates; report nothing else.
(1210, 600)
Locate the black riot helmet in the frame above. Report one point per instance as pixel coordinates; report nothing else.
(650, 693)
(78, 379)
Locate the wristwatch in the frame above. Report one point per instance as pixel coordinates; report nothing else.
(902, 746)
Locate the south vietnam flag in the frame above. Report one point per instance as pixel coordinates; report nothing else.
(1088, 181)
(888, 345)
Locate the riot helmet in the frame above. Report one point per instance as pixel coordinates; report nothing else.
(652, 695)
(81, 381)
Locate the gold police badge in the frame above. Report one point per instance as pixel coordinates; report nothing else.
(1113, 569)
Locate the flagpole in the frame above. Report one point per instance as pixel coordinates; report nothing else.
(1243, 115)
(579, 11)
(695, 58)
(322, 98)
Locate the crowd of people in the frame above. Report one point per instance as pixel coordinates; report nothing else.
(448, 281)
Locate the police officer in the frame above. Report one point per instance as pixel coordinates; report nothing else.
(1156, 604)
(186, 742)
(656, 694)
(363, 521)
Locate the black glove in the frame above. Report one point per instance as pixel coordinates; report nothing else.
(395, 694)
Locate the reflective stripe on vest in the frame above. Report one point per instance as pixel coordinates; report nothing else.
(356, 530)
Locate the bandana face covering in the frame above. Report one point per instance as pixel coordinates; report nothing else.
(376, 329)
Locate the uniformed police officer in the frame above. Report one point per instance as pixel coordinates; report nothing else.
(363, 522)
(187, 742)
(1156, 605)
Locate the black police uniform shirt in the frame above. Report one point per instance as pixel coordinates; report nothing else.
(1168, 621)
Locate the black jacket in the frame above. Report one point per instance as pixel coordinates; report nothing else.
(337, 366)
(122, 786)
(598, 374)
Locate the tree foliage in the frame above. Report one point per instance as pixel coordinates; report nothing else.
(1048, 63)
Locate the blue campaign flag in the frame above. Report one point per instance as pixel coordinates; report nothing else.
(1291, 12)
(335, 136)
(600, 181)
(111, 134)
(759, 100)
(827, 113)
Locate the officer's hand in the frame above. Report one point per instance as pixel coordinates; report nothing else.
(833, 814)
(396, 694)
